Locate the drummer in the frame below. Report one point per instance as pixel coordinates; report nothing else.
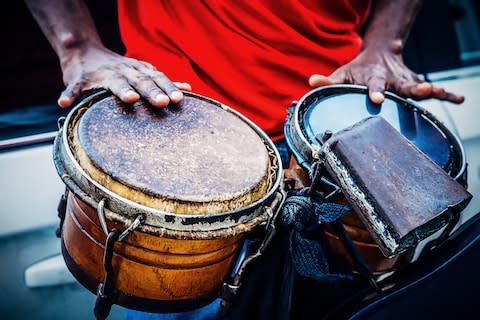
(256, 57)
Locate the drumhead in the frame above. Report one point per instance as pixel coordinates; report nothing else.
(188, 158)
(336, 107)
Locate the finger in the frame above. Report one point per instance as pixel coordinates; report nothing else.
(454, 98)
(421, 90)
(318, 80)
(148, 89)
(163, 82)
(65, 100)
(407, 87)
(127, 94)
(168, 87)
(342, 75)
(122, 89)
(183, 86)
(441, 94)
(68, 96)
(438, 92)
(376, 89)
(425, 90)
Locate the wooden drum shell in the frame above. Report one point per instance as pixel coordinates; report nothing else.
(147, 266)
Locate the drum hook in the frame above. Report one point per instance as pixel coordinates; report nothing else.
(106, 290)
(135, 224)
(103, 222)
(61, 212)
(61, 122)
(101, 216)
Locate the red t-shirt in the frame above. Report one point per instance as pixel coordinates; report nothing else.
(254, 56)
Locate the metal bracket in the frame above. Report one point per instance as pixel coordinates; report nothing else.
(103, 222)
(106, 290)
(61, 212)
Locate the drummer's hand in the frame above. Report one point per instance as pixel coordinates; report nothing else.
(383, 69)
(127, 78)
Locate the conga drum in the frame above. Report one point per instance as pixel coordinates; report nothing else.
(160, 200)
(333, 108)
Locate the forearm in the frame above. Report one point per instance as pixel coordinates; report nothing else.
(391, 21)
(67, 24)
(87, 64)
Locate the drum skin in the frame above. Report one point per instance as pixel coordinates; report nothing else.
(181, 159)
(175, 272)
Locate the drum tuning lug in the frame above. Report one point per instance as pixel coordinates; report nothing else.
(292, 106)
(101, 216)
(316, 151)
(61, 211)
(322, 138)
(270, 215)
(61, 122)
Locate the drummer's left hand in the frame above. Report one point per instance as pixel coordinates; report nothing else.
(383, 69)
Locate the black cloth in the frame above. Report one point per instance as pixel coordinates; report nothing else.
(294, 279)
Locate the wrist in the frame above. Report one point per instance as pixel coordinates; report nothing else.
(390, 25)
(392, 46)
(77, 52)
(69, 42)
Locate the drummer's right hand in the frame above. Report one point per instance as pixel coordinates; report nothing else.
(127, 78)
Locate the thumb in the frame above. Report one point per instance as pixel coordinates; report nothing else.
(66, 97)
(318, 80)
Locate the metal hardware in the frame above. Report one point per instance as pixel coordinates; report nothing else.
(135, 224)
(103, 222)
(317, 174)
(61, 122)
(106, 290)
(435, 243)
(61, 212)
(101, 216)
(270, 230)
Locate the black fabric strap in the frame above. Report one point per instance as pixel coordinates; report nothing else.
(300, 215)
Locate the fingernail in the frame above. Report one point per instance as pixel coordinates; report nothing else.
(313, 79)
(64, 101)
(130, 95)
(162, 99)
(423, 85)
(377, 97)
(423, 88)
(176, 96)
